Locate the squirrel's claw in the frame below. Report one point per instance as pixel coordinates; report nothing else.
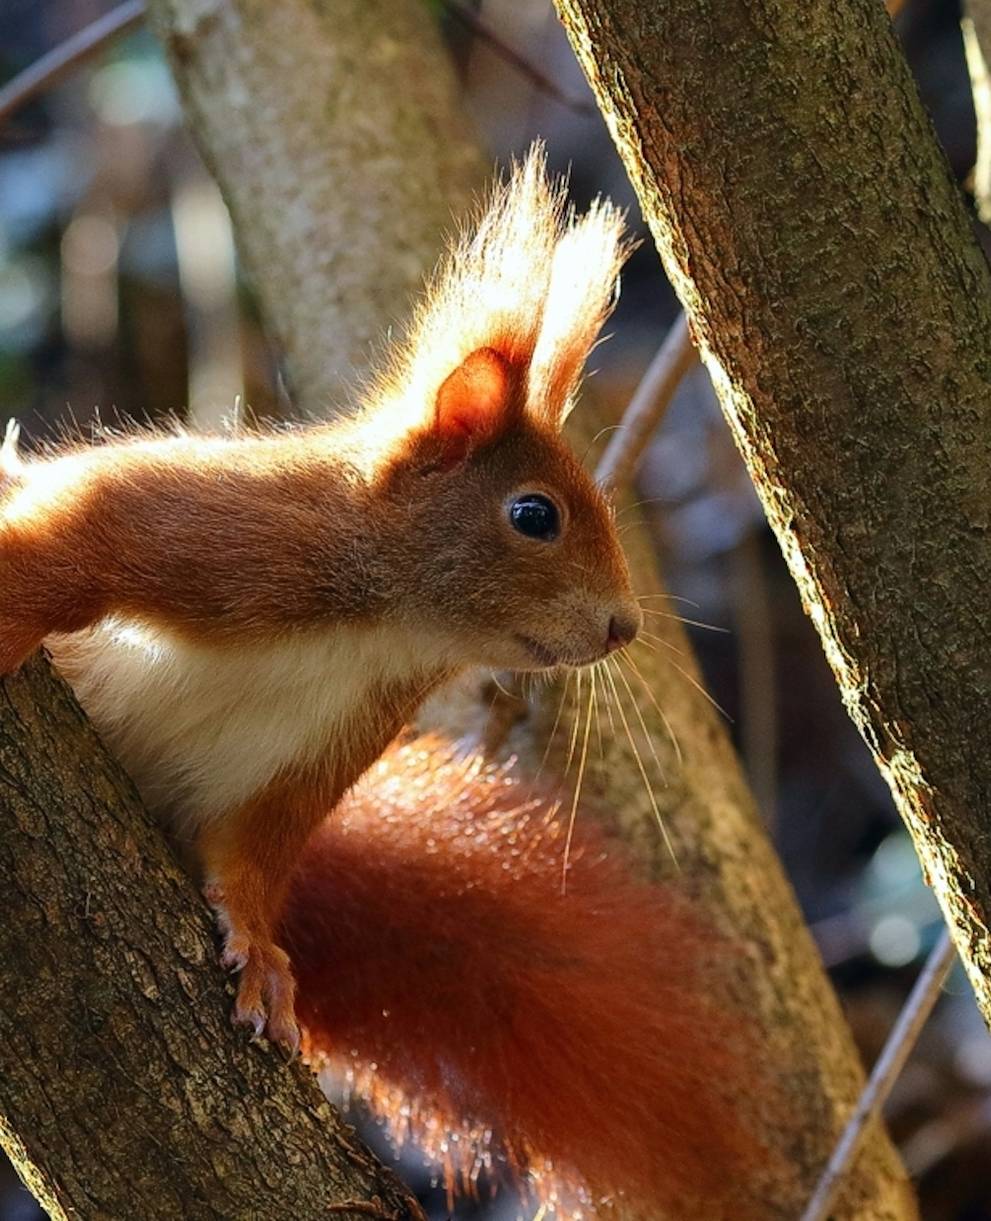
(266, 995)
(266, 988)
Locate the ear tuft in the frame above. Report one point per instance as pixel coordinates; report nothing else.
(10, 462)
(476, 403)
(510, 316)
(583, 288)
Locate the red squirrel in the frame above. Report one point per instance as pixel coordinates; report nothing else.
(251, 620)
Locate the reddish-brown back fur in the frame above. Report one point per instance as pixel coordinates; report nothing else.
(440, 963)
(399, 514)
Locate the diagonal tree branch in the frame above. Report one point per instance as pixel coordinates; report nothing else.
(124, 1089)
(897, 1049)
(843, 308)
(64, 59)
(650, 401)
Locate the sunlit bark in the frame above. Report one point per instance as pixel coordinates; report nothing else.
(809, 222)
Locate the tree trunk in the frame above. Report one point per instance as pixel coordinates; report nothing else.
(125, 1091)
(335, 133)
(809, 222)
(225, 53)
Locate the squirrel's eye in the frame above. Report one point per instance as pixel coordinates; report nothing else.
(535, 516)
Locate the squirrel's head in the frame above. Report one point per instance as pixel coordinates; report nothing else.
(516, 550)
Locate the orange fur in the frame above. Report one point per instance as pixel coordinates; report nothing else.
(446, 975)
(250, 620)
(192, 587)
(248, 857)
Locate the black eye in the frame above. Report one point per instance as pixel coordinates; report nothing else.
(535, 516)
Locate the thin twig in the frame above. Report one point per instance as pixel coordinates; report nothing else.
(889, 1065)
(67, 56)
(533, 74)
(651, 399)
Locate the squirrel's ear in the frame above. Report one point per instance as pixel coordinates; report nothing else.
(476, 403)
(582, 291)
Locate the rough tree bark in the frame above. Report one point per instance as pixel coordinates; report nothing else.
(331, 126)
(723, 855)
(124, 1091)
(810, 224)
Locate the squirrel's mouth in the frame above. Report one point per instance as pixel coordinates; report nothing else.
(548, 659)
(539, 652)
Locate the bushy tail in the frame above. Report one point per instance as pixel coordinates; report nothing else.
(442, 968)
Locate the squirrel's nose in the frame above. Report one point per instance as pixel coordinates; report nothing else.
(622, 629)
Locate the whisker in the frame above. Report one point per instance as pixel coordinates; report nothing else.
(574, 804)
(701, 690)
(601, 433)
(600, 666)
(643, 636)
(643, 771)
(492, 675)
(557, 722)
(669, 598)
(577, 721)
(651, 500)
(595, 709)
(643, 724)
(710, 627)
(660, 711)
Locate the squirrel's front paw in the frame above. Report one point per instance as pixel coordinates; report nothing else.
(265, 991)
(266, 988)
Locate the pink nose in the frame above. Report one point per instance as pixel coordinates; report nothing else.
(622, 629)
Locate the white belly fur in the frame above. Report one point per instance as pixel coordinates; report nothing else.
(201, 728)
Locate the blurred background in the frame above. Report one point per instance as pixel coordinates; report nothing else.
(120, 298)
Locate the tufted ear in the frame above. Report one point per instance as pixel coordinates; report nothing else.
(581, 293)
(506, 323)
(476, 403)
